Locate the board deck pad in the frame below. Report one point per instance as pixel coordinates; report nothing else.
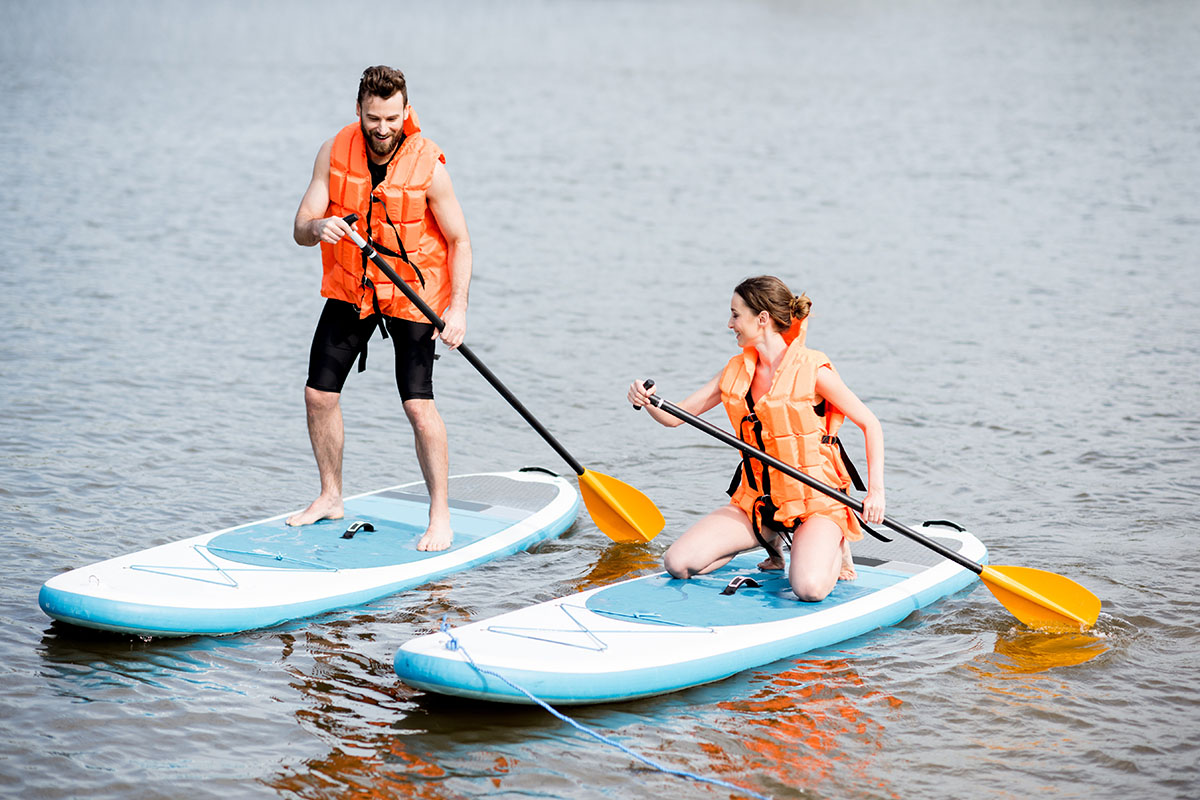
(699, 602)
(266, 572)
(399, 518)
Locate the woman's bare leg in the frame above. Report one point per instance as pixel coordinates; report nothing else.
(816, 559)
(710, 543)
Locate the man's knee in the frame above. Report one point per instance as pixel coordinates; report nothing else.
(317, 401)
(423, 415)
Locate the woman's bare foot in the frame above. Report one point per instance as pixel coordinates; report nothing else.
(847, 573)
(771, 563)
(321, 508)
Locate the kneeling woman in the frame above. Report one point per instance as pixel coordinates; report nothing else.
(785, 399)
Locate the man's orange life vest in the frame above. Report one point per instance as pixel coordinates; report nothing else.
(398, 222)
(787, 423)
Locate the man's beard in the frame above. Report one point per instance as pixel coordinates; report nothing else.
(379, 147)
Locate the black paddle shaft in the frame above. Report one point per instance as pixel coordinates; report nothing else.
(470, 356)
(786, 469)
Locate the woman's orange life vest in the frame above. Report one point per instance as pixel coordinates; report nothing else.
(792, 430)
(399, 225)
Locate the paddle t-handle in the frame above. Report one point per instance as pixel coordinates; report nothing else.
(646, 385)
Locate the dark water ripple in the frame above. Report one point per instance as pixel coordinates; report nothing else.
(993, 208)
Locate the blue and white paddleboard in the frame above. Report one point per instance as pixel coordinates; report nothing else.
(264, 573)
(656, 634)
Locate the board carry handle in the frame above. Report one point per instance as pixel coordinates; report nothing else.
(356, 527)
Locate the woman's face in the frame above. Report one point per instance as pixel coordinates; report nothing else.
(745, 324)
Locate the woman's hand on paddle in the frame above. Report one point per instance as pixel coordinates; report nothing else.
(699, 401)
(639, 395)
(873, 505)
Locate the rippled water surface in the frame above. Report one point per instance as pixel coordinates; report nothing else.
(995, 208)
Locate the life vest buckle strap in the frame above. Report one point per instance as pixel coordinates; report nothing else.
(854, 476)
(378, 315)
(764, 509)
(862, 523)
(755, 430)
(403, 254)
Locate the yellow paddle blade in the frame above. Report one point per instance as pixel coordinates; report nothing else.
(618, 509)
(1043, 599)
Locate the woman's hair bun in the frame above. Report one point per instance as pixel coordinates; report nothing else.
(800, 305)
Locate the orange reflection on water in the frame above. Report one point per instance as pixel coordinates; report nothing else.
(1030, 652)
(387, 771)
(618, 562)
(1018, 669)
(807, 726)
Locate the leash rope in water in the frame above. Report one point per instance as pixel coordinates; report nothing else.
(455, 645)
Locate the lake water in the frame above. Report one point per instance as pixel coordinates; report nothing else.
(995, 208)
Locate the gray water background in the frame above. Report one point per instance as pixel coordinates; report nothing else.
(994, 207)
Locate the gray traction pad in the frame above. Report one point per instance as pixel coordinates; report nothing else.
(493, 490)
(901, 548)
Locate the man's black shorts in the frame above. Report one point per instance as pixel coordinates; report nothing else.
(341, 336)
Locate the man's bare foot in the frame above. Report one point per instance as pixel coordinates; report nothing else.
(321, 508)
(438, 536)
(771, 563)
(847, 573)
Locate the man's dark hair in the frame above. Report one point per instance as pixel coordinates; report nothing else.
(382, 82)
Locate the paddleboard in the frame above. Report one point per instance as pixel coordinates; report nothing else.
(656, 634)
(263, 573)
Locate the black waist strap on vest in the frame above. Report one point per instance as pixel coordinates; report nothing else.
(368, 284)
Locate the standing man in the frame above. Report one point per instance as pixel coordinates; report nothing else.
(384, 170)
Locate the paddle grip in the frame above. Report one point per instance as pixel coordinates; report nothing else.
(646, 385)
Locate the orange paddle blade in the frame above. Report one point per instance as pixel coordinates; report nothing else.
(622, 512)
(1043, 599)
